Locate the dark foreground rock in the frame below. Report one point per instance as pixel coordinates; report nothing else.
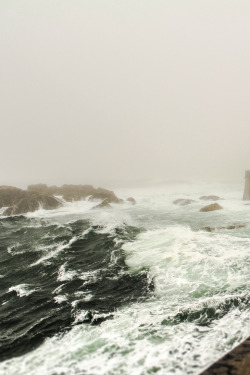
(210, 198)
(211, 207)
(131, 200)
(228, 227)
(183, 202)
(236, 362)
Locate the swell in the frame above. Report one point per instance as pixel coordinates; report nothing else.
(206, 314)
(55, 276)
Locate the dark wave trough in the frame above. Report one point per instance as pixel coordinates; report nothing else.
(55, 276)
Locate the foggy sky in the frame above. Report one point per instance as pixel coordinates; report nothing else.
(99, 91)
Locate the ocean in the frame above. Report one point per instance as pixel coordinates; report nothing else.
(136, 290)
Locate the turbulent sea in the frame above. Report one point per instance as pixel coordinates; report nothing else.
(133, 290)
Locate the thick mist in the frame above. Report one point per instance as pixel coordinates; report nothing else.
(108, 92)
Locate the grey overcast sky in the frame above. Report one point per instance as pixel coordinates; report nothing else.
(99, 91)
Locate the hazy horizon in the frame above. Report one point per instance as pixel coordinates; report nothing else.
(111, 92)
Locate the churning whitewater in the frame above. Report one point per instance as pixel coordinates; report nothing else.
(136, 290)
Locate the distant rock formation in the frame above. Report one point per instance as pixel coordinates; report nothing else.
(210, 198)
(18, 201)
(211, 207)
(76, 192)
(246, 195)
(131, 200)
(183, 202)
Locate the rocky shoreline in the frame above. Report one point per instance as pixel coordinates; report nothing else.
(15, 201)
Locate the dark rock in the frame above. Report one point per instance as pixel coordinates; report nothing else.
(132, 200)
(183, 202)
(236, 362)
(103, 204)
(211, 207)
(210, 198)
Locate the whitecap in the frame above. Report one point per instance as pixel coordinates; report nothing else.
(23, 289)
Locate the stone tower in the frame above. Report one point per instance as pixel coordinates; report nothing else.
(246, 196)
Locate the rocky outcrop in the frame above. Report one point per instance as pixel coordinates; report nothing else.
(76, 192)
(131, 200)
(211, 207)
(10, 195)
(29, 202)
(20, 201)
(210, 198)
(228, 227)
(183, 202)
(103, 204)
(23, 206)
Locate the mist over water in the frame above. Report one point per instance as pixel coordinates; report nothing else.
(115, 92)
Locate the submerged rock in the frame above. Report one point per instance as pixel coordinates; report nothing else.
(183, 202)
(228, 227)
(211, 207)
(131, 200)
(210, 198)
